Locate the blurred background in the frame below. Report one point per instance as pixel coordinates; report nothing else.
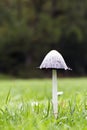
(29, 29)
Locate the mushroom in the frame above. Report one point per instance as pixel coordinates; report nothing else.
(59, 93)
(54, 60)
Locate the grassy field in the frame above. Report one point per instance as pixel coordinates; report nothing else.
(26, 105)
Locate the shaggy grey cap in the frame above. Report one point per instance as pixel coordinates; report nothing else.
(54, 60)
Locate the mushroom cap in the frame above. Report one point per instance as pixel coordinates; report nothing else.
(54, 60)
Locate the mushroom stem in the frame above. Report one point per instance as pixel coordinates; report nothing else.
(54, 93)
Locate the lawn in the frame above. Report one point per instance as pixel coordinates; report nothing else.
(26, 104)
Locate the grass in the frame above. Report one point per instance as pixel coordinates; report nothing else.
(26, 105)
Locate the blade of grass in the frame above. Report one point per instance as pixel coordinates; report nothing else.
(8, 96)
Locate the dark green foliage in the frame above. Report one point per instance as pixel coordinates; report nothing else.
(31, 28)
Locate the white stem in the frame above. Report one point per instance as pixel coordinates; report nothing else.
(54, 93)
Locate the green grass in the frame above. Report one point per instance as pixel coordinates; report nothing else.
(26, 105)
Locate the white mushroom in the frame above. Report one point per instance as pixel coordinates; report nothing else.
(59, 93)
(54, 60)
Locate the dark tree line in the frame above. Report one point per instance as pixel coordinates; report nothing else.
(31, 28)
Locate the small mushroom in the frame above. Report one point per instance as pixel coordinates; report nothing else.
(54, 60)
(59, 93)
